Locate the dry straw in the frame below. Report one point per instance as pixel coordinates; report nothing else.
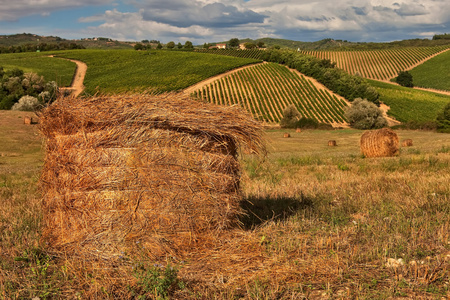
(133, 173)
(407, 143)
(286, 135)
(379, 143)
(332, 143)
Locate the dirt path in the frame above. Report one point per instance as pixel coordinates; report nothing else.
(77, 85)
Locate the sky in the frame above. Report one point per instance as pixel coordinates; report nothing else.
(209, 21)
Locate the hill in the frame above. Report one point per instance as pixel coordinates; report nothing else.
(433, 73)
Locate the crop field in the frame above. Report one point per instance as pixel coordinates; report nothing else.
(378, 64)
(433, 73)
(52, 69)
(265, 90)
(326, 222)
(248, 53)
(409, 104)
(115, 71)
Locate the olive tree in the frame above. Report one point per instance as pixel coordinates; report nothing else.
(363, 114)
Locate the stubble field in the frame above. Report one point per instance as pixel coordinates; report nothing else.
(328, 224)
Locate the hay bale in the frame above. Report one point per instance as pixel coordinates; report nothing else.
(407, 143)
(126, 174)
(286, 135)
(332, 143)
(298, 130)
(379, 143)
(28, 120)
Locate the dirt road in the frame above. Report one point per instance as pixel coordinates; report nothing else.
(77, 85)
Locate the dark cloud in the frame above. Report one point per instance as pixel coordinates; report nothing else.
(411, 10)
(361, 11)
(213, 15)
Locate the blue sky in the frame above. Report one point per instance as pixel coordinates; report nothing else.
(201, 21)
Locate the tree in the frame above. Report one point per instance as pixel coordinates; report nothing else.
(159, 47)
(405, 78)
(234, 42)
(260, 44)
(290, 117)
(179, 46)
(138, 46)
(170, 45)
(188, 45)
(365, 115)
(249, 45)
(443, 119)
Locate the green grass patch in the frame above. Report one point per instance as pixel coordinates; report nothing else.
(115, 71)
(433, 73)
(409, 104)
(59, 70)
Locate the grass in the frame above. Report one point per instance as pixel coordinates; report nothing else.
(409, 104)
(433, 73)
(113, 71)
(326, 221)
(52, 69)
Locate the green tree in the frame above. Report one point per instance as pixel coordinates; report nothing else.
(188, 45)
(261, 44)
(290, 117)
(159, 47)
(364, 114)
(405, 78)
(234, 42)
(138, 46)
(250, 45)
(170, 45)
(443, 119)
(179, 45)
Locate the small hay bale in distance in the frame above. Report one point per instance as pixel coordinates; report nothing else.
(298, 130)
(407, 143)
(134, 173)
(27, 120)
(332, 143)
(379, 143)
(286, 135)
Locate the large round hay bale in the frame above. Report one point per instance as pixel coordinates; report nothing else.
(379, 143)
(286, 135)
(126, 174)
(332, 143)
(407, 143)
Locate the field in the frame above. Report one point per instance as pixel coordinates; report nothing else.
(266, 90)
(409, 104)
(326, 223)
(378, 64)
(114, 71)
(58, 70)
(433, 73)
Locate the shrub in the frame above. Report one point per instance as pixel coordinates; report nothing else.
(405, 78)
(290, 117)
(27, 103)
(365, 115)
(443, 120)
(307, 123)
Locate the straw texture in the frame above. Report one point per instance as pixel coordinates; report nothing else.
(379, 143)
(132, 172)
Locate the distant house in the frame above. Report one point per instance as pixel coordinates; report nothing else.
(221, 46)
(242, 46)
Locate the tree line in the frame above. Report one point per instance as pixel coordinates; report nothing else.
(40, 47)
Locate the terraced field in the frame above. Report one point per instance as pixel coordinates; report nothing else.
(379, 64)
(265, 90)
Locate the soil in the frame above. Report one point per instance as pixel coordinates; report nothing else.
(77, 85)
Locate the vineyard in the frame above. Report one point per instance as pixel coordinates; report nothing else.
(267, 89)
(378, 64)
(249, 53)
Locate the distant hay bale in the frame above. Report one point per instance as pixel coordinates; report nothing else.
(27, 120)
(379, 143)
(286, 135)
(407, 143)
(298, 130)
(153, 173)
(332, 143)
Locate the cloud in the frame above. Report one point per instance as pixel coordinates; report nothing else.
(16, 9)
(190, 13)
